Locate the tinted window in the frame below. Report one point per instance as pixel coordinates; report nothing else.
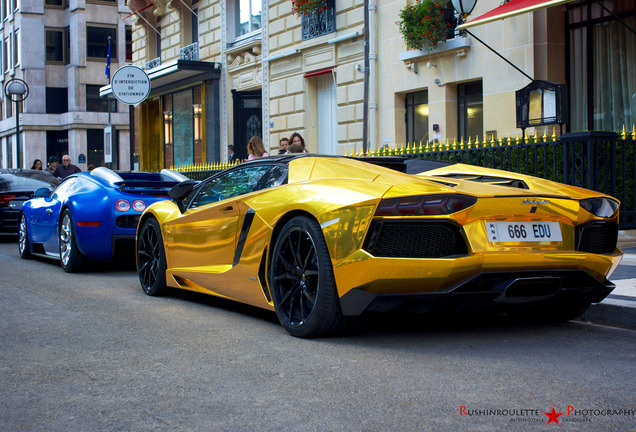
(238, 182)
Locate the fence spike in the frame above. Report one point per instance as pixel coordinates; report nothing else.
(634, 132)
(624, 134)
(554, 136)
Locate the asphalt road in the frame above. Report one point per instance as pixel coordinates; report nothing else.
(91, 352)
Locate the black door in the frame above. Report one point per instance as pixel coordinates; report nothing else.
(247, 120)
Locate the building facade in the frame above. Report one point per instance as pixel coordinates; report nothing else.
(59, 48)
(224, 71)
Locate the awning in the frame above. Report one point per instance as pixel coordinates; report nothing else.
(172, 76)
(511, 8)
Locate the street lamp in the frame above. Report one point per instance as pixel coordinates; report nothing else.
(16, 91)
(464, 7)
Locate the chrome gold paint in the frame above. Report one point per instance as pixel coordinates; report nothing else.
(342, 195)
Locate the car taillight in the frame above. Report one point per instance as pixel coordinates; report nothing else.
(601, 207)
(139, 205)
(122, 205)
(424, 205)
(5, 199)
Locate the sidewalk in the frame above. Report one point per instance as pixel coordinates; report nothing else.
(619, 308)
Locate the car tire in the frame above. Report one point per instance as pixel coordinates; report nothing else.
(151, 259)
(70, 257)
(302, 283)
(23, 238)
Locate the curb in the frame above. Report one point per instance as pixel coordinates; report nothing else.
(612, 312)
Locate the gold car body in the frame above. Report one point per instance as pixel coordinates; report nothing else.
(342, 194)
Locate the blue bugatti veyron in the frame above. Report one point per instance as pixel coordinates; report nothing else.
(90, 216)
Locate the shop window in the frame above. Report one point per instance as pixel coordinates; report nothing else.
(417, 118)
(56, 100)
(97, 42)
(96, 103)
(470, 110)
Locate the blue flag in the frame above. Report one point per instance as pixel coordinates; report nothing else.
(107, 71)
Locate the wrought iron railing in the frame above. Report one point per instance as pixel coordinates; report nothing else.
(190, 52)
(320, 22)
(153, 63)
(601, 161)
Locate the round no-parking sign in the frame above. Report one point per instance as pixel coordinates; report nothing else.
(130, 85)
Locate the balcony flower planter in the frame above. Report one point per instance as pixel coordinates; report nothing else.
(306, 7)
(424, 24)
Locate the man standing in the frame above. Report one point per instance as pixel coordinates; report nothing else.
(66, 169)
(230, 154)
(284, 142)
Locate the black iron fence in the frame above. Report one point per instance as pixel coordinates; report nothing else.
(601, 161)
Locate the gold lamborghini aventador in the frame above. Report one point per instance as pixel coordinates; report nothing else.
(321, 240)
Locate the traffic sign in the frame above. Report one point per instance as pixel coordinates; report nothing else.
(130, 85)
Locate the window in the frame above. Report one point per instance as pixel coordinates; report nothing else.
(248, 17)
(129, 44)
(601, 65)
(96, 103)
(56, 100)
(320, 23)
(417, 118)
(470, 110)
(158, 42)
(7, 55)
(55, 48)
(16, 47)
(53, 2)
(97, 42)
(237, 182)
(194, 22)
(95, 147)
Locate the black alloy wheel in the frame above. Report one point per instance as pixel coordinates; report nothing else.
(151, 258)
(302, 282)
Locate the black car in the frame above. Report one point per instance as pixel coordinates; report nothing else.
(16, 186)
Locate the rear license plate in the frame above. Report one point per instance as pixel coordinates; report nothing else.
(505, 232)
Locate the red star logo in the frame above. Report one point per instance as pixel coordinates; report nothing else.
(553, 416)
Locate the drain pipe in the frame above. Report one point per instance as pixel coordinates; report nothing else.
(373, 106)
(365, 72)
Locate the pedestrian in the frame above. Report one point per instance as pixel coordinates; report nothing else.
(66, 169)
(256, 148)
(37, 165)
(230, 154)
(52, 164)
(296, 138)
(284, 142)
(295, 148)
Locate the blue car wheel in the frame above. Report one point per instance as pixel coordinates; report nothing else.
(70, 256)
(23, 238)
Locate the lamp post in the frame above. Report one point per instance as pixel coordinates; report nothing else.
(16, 91)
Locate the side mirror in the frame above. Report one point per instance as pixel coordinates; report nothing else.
(41, 193)
(179, 192)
